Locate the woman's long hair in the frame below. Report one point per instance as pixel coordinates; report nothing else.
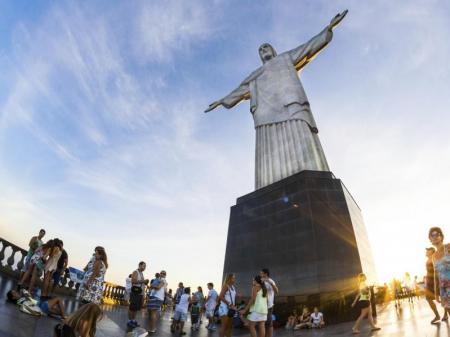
(262, 284)
(90, 313)
(228, 279)
(103, 256)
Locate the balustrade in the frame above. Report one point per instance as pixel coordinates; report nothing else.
(10, 253)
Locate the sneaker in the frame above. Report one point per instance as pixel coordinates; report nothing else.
(152, 331)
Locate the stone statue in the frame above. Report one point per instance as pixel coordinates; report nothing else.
(286, 133)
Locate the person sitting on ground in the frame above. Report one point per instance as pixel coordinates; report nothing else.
(181, 309)
(317, 321)
(304, 320)
(52, 306)
(292, 320)
(82, 323)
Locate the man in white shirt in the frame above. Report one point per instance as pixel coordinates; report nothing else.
(156, 299)
(210, 305)
(272, 289)
(317, 319)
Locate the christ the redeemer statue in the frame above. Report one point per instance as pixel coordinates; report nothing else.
(286, 133)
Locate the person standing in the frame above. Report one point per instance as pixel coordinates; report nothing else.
(92, 287)
(200, 301)
(272, 290)
(257, 308)
(156, 299)
(227, 307)
(429, 284)
(441, 262)
(50, 267)
(178, 293)
(138, 283)
(37, 264)
(363, 301)
(35, 242)
(62, 264)
(210, 306)
(181, 310)
(127, 289)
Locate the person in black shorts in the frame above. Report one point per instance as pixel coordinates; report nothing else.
(138, 283)
(60, 268)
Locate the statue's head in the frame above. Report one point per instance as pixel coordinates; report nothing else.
(266, 52)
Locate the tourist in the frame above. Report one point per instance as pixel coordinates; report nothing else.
(155, 300)
(441, 262)
(195, 312)
(429, 284)
(272, 290)
(127, 289)
(91, 290)
(317, 321)
(181, 310)
(82, 323)
(50, 267)
(178, 293)
(35, 242)
(363, 303)
(52, 306)
(138, 283)
(37, 265)
(292, 320)
(227, 307)
(168, 300)
(304, 320)
(61, 266)
(201, 301)
(210, 306)
(257, 308)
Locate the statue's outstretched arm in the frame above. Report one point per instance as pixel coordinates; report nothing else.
(305, 53)
(240, 93)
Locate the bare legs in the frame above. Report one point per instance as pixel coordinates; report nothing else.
(261, 328)
(435, 311)
(365, 312)
(46, 287)
(56, 306)
(153, 315)
(225, 326)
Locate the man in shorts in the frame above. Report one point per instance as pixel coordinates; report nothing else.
(35, 242)
(156, 300)
(61, 266)
(138, 283)
(272, 289)
(210, 305)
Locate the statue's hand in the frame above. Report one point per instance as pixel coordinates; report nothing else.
(214, 105)
(337, 19)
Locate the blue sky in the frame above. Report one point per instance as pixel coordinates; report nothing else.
(103, 140)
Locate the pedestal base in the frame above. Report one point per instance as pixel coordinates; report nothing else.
(308, 230)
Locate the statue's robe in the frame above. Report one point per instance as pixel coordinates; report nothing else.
(286, 133)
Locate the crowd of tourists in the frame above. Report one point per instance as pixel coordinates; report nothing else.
(45, 263)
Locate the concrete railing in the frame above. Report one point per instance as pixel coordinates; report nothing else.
(12, 259)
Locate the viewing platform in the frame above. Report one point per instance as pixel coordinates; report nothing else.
(410, 320)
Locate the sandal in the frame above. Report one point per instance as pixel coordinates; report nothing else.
(355, 332)
(436, 320)
(376, 328)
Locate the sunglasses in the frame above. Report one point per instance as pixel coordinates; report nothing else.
(435, 235)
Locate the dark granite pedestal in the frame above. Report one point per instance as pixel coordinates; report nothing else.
(308, 230)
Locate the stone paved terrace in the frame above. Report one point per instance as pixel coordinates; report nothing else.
(411, 321)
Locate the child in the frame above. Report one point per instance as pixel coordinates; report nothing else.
(195, 313)
(181, 310)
